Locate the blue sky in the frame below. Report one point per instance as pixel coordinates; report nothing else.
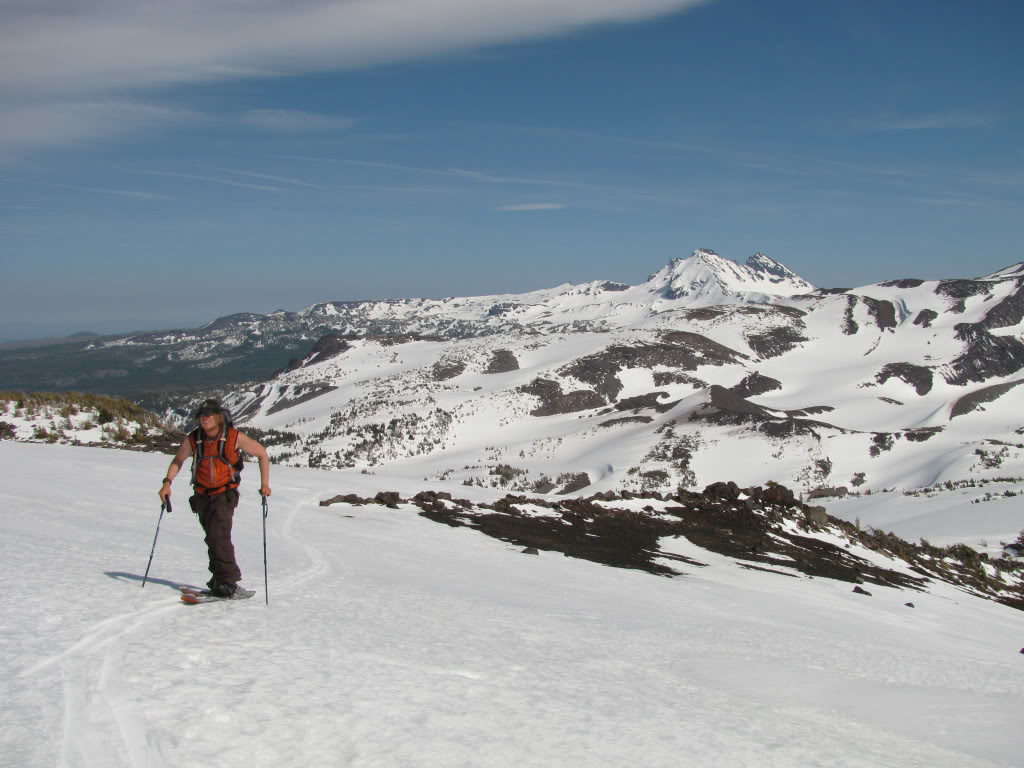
(162, 164)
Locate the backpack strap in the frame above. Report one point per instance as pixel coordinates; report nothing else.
(195, 438)
(228, 438)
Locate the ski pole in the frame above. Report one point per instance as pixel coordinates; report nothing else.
(266, 585)
(166, 505)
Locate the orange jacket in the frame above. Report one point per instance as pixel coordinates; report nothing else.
(216, 462)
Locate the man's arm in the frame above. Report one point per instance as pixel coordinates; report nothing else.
(175, 466)
(254, 448)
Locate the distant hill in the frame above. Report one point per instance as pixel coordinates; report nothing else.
(48, 341)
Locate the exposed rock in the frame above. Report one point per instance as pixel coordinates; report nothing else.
(810, 410)
(502, 361)
(574, 482)
(497, 310)
(925, 318)
(905, 283)
(627, 420)
(665, 378)
(1008, 312)
(639, 402)
(960, 291)
(920, 434)
(850, 326)
(919, 377)
(824, 493)
(882, 310)
(390, 499)
(347, 498)
(755, 384)
(974, 400)
(861, 591)
(817, 516)
(443, 370)
(327, 347)
(554, 401)
(301, 393)
(775, 342)
(754, 526)
(986, 355)
(677, 349)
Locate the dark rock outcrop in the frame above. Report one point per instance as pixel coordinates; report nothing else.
(919, 377)
(502, 361)
(554, 401)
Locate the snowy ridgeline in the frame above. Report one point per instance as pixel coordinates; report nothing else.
(392, 640)
(79, 419)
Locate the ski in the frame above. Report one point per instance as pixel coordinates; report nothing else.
(191, 596)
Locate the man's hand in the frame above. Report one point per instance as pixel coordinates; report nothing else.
(165, 491)
(264, 489)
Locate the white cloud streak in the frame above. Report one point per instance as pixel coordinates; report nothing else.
(293, 121)
(48, 125)
(532, 207)
(269, 177)
(211, 180)
(933, 122)
(56, 55)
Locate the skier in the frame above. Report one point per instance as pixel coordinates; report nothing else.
(216, 448)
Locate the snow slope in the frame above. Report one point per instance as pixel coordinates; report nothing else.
(391, 640)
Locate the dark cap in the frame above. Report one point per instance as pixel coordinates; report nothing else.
(208, 407)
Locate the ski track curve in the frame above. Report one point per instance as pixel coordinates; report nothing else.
(101, 725)
(318, 565)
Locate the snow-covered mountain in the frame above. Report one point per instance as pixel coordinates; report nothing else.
(903, 384)
(710, 370)
(245, 347)
(706, 279)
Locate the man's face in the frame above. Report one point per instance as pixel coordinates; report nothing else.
(209, 420)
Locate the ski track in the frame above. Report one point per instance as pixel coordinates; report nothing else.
(101, 727)
(100, 721)
(318, 567)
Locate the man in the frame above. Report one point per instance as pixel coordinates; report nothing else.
(216, 448)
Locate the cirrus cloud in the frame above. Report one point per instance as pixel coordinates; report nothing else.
(532, 207)
(60, 52)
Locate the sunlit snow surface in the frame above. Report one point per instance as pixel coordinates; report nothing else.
(394, 641)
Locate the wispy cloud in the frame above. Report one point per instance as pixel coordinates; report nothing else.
(492, 179)
(532, 207)
(63, 123)
(930, 122)
(1009, 178)
(56, 53)
(129, 193)
(211, 180)
(635, 194)
(270, 177)
(294, 121)
(458, 173)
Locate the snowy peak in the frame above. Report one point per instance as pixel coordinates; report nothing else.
(1014, 270)
(705, 278)
(774, 271)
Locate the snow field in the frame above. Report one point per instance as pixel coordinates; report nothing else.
(394, 641)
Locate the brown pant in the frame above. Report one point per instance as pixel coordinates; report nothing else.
(215, 515)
